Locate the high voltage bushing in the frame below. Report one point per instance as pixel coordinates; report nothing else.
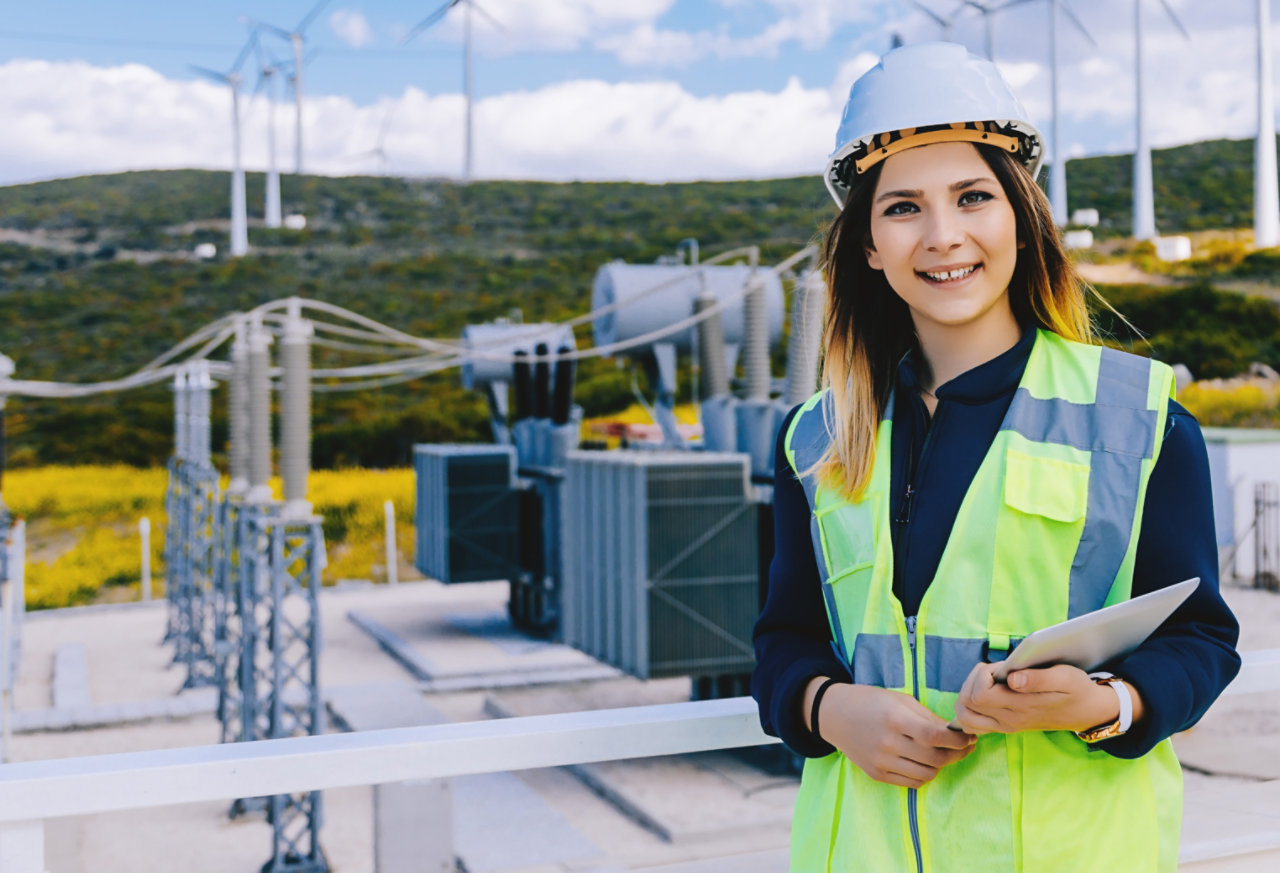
(259, 404)
(756, 337)
(719, 425)
(295, 410)
(806, 337)
(181, 415)
(238, 412)
(201, 409)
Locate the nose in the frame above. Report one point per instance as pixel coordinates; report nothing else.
(943, 232)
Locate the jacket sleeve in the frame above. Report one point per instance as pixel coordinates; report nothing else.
(1183, 667)
(792, 637)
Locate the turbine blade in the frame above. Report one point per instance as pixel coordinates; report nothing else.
(1008, 3)
(983, 8)
(244, 52)
(278, 31)
(212, 74)
(429, 20)
(1174, 17)
(495, 22)
(942, 22)
(310, 16)
(1071, 16)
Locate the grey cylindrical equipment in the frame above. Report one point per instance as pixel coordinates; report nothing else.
(714, 365)
(807, 308)
(755, 348)
(259, 403)
(653, 296)
(181, 414)
(238, 411)
(295, 411)
(491, 346)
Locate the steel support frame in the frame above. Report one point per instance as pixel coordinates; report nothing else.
(191, 562)
(276, 666)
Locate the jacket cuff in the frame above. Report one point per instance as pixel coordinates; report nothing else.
(788, 700)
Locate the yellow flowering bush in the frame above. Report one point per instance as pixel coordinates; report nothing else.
(1244, 405)
(83, 537)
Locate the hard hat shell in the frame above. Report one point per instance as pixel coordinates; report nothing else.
(927, 85)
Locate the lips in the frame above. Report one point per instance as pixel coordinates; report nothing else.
(949, 275)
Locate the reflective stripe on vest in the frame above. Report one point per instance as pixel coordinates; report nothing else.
(1046, 531)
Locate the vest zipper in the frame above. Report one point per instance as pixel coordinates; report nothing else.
(913, 794)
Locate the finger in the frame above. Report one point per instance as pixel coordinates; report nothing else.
(977, 723)
(911, 769)
(1061, 679)
(979, 677)
(944, 738)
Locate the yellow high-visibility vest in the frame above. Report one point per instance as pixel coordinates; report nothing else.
(1047, 531)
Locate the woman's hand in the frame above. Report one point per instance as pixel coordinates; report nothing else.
(890, 736)
(1042, 699)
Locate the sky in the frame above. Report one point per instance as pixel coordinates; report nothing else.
(646, 90)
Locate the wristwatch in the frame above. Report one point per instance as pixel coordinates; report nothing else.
(1122, 723)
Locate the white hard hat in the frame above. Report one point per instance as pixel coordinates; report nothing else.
(924, 93)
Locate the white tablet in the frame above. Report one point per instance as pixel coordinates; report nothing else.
(1089, 641)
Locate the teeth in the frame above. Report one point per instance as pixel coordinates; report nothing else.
(952, 274)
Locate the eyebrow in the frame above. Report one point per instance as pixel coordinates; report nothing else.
(956, 187)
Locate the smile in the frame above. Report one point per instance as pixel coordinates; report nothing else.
(950, 275)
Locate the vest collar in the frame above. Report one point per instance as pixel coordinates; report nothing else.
(983, 383)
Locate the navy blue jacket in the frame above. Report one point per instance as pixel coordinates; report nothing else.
(1179, 671)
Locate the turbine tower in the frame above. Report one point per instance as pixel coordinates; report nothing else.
(239, 242)
(1266, 199)
(268, 69)
(1058, 157)
(297, 38)
(466, 62)
(1144, 210)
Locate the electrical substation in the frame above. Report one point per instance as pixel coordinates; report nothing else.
(649, 558)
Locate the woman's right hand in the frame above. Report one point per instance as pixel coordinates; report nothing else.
(889, 735)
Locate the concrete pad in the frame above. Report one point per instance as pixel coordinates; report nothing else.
(501, 824)
(681, 799)
(71, 676)
(1240, 823)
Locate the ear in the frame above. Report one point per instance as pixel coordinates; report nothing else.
(873, 256)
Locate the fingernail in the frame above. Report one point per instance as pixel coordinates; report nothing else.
(1017, 680)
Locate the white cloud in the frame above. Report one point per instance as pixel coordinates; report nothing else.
(351, 27)
(549, 25)
(72, 118)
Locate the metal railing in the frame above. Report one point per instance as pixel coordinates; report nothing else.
(33, 791)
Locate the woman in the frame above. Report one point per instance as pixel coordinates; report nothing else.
(976, 469)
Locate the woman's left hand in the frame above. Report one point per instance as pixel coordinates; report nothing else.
(1043, 699)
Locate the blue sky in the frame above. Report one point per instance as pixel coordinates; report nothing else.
(629, 89)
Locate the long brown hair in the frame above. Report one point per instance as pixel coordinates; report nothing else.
(869, 327)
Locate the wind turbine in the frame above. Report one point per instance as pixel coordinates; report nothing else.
(268, 69)
(239, 221)
(987, 10)
(944, 23)
(466, 60)
(1144, 210)
(297, 38)
(1266, 201)
(1058, 158)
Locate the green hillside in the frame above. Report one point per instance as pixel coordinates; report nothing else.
(96, 279)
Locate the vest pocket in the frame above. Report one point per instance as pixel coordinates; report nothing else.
(1055, 489)
(1038, 532)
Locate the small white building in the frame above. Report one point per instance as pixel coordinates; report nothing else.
(1078, 239)
(1085, 218)
(1240, 459)
(1173, 248)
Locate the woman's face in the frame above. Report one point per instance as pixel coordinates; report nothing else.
(944, 233)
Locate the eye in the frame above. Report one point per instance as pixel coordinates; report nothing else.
(902, 207)
(973, 197)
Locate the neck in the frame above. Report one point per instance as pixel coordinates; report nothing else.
(950, 351)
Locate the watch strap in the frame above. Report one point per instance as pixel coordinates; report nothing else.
(1123, 721)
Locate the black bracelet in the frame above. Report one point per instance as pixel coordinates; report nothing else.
(817, 698)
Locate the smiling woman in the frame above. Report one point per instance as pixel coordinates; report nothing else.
(976, 468)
